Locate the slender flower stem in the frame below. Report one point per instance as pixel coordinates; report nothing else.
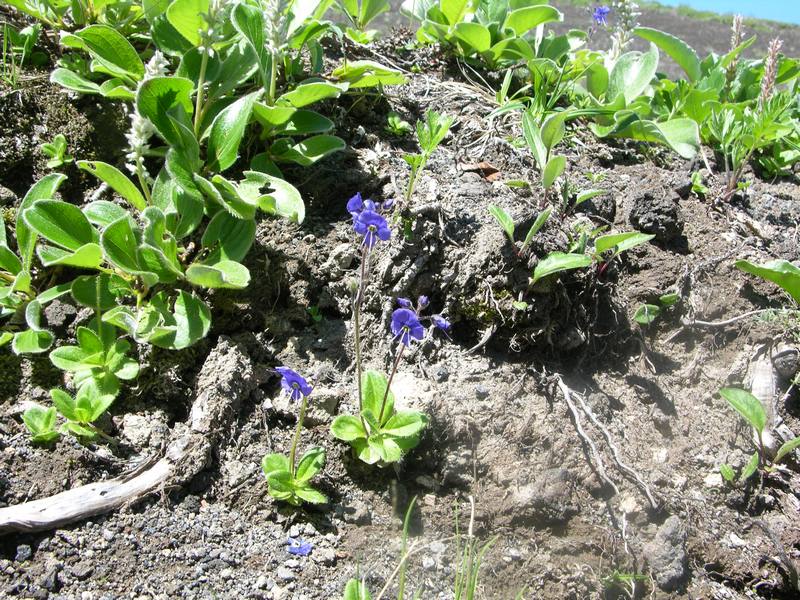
(297, 431)
(144, 186)
(273, 78)
(201, 82)
(357, 302)
(389, 383)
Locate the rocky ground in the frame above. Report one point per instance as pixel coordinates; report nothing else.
(645, 505)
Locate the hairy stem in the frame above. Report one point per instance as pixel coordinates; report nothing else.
(297, 431)
(389, 383)
(201, 82)
(357, 302)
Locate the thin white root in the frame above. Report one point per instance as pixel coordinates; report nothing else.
(615, 453)
(601, 470)
(226, 378)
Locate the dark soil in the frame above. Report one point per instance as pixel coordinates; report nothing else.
(501, 431)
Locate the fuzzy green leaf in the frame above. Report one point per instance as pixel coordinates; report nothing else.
(746, 405)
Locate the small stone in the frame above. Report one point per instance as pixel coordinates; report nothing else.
(658, 214)
(325, 556)
(713, 480)
(428, 564)
(108, 535)
(83, 570)
(261, 582)
(358, 515)
(50, 580)
(787, 363)
(481, 393)
(736, 541)
(285, 574)
(441, 374)
(666, 555)
(24, 552)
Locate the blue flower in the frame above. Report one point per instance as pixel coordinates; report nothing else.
(294, 383)
(422, 302)
(372, 226)
(406, 326)
(356, 205)
(388, 204)
(440, 322)
(404, 302)
(599, 15)
(299, 546)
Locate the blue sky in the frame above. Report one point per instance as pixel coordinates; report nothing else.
(777, 10)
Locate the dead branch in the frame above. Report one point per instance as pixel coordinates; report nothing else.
(227, 377)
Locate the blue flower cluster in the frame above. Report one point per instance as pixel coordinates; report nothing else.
(406, 324)
(599, 15)
(367, 221)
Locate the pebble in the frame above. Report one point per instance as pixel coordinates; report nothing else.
(481, 392)
(285, 574)
(325, 556)
(24, 552)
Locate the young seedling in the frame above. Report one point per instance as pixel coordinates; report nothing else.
(750, 407)
(57, 152)
(395, 125)
(606, 249)
(41, 423)
(81, 411)
(360, 13)
(430, 134)
(647, 313)
(507, 223)
(287, 480)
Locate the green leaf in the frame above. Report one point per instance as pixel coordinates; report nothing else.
(405, 424)
(110, 48)
(504, 219)
(620, 242)
(780, 272)
(681, 135)
(787, 448)
(309, 93)
(43, 189)
(74, 82)
(102, 212)
(227, 131)
(347, 428)
(746, 405)
(553, 170)
(356, 590)
(476, 37)
(310, 464)
(282, 199)
(646, 314)
(61, 223)
(88, 256)
(360, 74)
(631, 75)
(249, 22)
(308, 151)
(116, 180)
(524, 19)
(192, 320)
(750, 468)
(228, 238)
(41, 422)
(274, 463)
(559, 261)
(677, 49)
(287, 120)
(74, 358)
(119, 241)
(79, 430)
(158, 98)
(533, 137)
(64, 403)
(9, 261)
(310, 495)
(553, 130)
(541, 219)
(186, 16)
(588, 195)
(373, 389)
(224, 274)
(94, 291)
(31, 342)
(386, 448)
(727, 473)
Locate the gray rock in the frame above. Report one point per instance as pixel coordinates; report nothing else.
(666, 555)
(49, 580)
(285, 574)
(325, 556)
(441, 374)
(547, 500)
(658, 214)
(24, 552)
(481, 393)
(358, 514)
(83, 570)
(7, 197)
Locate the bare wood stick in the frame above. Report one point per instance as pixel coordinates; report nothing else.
(226, 378)
(567, 393)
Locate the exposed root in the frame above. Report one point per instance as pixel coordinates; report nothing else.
(601, 470)
(227, 377)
